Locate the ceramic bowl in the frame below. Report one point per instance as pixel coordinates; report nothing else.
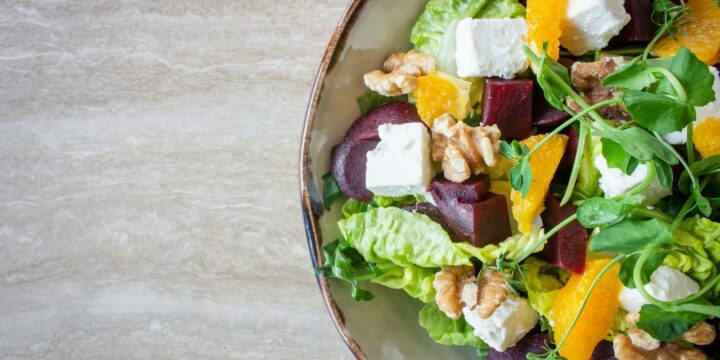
(386, 327)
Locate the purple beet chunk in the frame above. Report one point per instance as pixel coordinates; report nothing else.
(349, 160)
(471, 190)
(479, 223)
(640, 28)
(508, 104)
(544, 114)
(566, 164)
(604, 351)
(433, 212)
(530, 344)
(567, 248)
(366, 127)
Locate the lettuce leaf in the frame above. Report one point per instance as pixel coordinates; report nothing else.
(512, 247)
(434, 31)
(447, 331)
(401, 237)
(542, 282)
(588, 182)
(697, 254)
(415, 280)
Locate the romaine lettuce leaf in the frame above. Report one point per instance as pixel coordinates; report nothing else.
(697, 254)
(447, 331)
(434, 31)
(543, 282)
(401, 237)
(588, 182)
(415, 280)
(512, 247)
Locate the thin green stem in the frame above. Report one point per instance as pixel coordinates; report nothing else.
(649, 178)
(710, 310)
(576, 164)
(587, 298)
(543, 239)
(677, 86)
(655, 214)
(693, 178)
(637, 276)
(657, 37)
(689, 146)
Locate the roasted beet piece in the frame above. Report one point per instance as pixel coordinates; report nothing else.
(472, 190)
(479, 223)
(530, 344)
(604, 351)
(366, 127)
(348, 165)
(508, 104)
(566, 164)
(544, 114)
(567, 248)
(433, 212)
(641, 27)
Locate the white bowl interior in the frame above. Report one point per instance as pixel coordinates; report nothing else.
(386, 327)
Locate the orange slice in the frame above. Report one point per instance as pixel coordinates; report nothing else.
(545, 24)
(439, 93)
(543, 163)
(597, 316)
(701, 33)
(706, 137)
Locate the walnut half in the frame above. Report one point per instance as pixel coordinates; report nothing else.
(448, 284)
(457, 286)
(626, 350)
(463, 150)
(400, 73)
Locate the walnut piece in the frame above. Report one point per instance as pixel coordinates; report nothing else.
(626, 350)
(448, 285)
(400, 73)
(642, 339)
(700, 334)
(587, 79)
(463, 150)
(493, 292)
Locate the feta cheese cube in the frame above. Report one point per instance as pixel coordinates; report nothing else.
(491, 47)
(666, 284)
(710, 110)
(592, 23)
(400, 164)
(614, 182)
(510, 322)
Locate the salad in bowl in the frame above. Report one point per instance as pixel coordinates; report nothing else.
(541, 177)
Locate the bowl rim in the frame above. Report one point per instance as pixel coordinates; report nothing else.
(310, 217)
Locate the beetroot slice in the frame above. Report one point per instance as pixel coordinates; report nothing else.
(530, 344)
(568, 247)
(603, 351)
(508, 104)
(349, 161)
(566, 164)
(479, 223)
(366, 127)
(473, 189)
(641, 27)
(433, 212)
(544, 114)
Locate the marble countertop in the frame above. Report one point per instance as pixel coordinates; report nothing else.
(148, 186)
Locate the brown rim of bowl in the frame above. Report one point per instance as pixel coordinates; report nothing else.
(310, 218)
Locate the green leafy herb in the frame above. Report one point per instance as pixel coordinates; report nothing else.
(597, 212)
(639, 144)
(630, 236)
(694, 76)
(342, 261)
(483, 352)
(521, 177)
(664, 173)
(707, 166)
(658, 112)
(331, 191)
(628, 266)
(373, 100)
(670, 15)
(666, 325)
(634, 75)
(617, 157)
(548, 71)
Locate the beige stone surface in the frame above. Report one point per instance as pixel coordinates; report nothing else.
(148, 186)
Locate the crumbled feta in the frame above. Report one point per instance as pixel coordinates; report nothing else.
(666, 284)
(592, 23)
(491, 47)
(710, 110)
(506, 326)
(614, 182)
(400, 164)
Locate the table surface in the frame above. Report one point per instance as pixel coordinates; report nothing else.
(148, 197)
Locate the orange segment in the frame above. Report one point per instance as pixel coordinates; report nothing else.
(701, 33)
(439, 93)
(544, 25)
(597, 315)
(706, 137)
(543, 162)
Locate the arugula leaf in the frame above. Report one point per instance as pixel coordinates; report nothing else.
(628, 265)
(694, 76)
(658, 112)
(331, 191)
(630, 236)
(596, 212)
(666, 325)
(633, 75)
(340, 260)
(521, 177)
(373, 100)
(639, 144)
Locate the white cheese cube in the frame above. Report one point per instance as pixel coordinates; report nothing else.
(400, 164)
(666, 284)
(614, 182)
(592, 23)
(491, 47)
(510, 322)
(710, 110)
